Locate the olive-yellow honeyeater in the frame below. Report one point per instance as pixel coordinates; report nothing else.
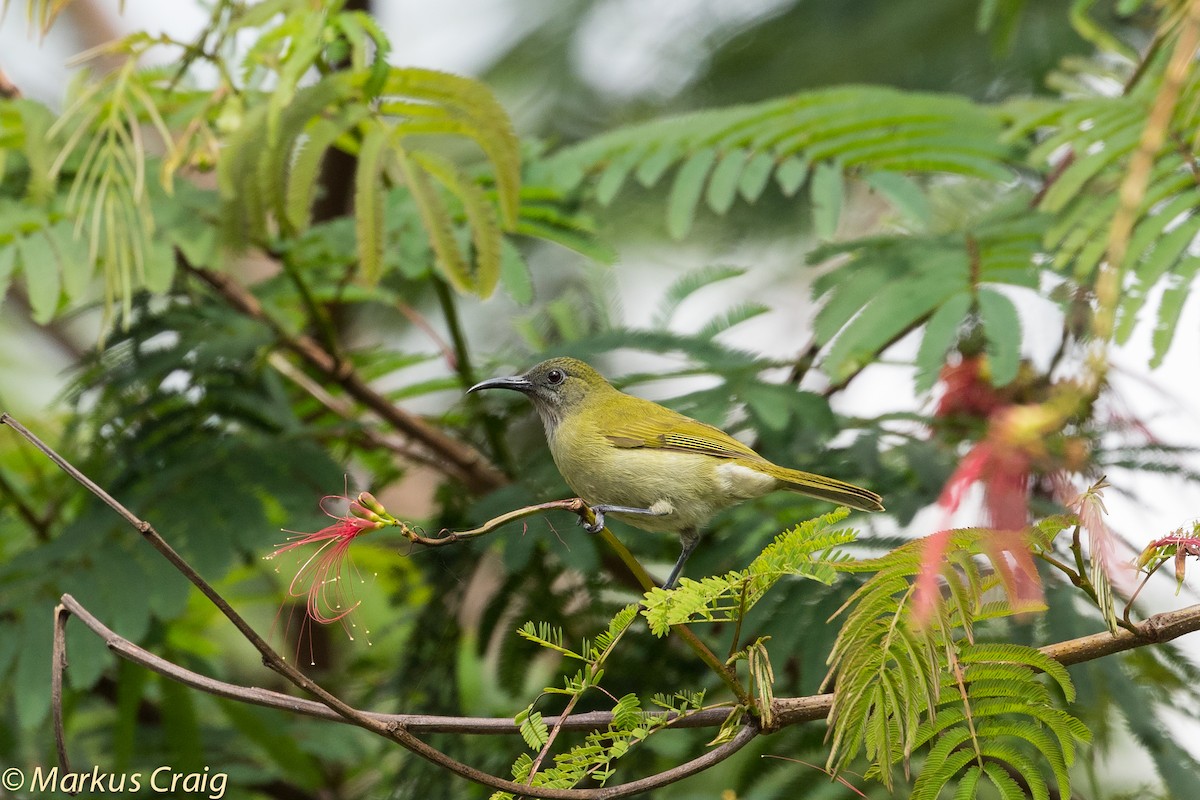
(650, 466)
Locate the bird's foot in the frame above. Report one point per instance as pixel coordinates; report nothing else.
(657, 510)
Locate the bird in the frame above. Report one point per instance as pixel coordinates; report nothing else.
(649, 466)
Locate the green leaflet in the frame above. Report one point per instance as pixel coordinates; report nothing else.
(828, 194)
(903, 193)
(272, 162)
(941, 333)
(369, 222)
(790, 175)
(36, 121)
(483, 120)
(723, 185)
(1170, 308)
(514, 274)
(688, 284)
(40, 266)
(481, 221)
(1002, 328)
(614, 175)
(685, 192)
(731, 317)
(305, 166)
(755, 176)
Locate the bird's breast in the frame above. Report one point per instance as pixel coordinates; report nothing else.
(693, 486)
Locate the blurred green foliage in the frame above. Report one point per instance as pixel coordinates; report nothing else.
(923, 163)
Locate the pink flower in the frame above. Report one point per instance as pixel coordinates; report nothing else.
(1003, 462)
(330, 597)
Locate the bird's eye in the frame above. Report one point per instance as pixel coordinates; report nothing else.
(555, 376)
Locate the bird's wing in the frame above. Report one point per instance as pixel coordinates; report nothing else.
(674, 431)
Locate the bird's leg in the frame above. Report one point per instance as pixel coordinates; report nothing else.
(688, 539)
(603, 509)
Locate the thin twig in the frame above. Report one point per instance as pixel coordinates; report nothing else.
(447, 537)
(1136, 592)
(58, 665)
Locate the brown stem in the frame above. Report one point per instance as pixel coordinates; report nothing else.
(574, 505)
(58, 664)
(414, 723)
(347, 411)
(454, 457)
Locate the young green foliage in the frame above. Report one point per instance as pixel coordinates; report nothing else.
(596, 757)
(906, 683)
(806, 550)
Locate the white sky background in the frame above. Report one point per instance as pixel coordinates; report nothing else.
(629, 47)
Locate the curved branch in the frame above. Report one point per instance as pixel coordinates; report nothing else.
(446, 537)
(415, 723)
(408, 723)
(786, 711)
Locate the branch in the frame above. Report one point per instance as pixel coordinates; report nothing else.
(456, 458)
(787, 711)
(447, 537)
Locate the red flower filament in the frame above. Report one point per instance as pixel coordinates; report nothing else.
(330, 598)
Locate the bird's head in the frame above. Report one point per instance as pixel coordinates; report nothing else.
(558, 387)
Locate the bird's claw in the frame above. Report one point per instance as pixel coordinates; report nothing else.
(598, 525)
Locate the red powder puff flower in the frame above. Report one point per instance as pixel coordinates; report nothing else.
(1002, 462)
(329, 597)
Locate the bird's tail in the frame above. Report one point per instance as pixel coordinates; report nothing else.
(835, 491)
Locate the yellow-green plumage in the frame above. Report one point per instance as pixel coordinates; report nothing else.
(616, 449)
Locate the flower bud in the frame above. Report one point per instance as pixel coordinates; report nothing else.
(368, 500)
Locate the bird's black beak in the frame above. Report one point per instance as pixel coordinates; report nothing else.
(518, 383)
